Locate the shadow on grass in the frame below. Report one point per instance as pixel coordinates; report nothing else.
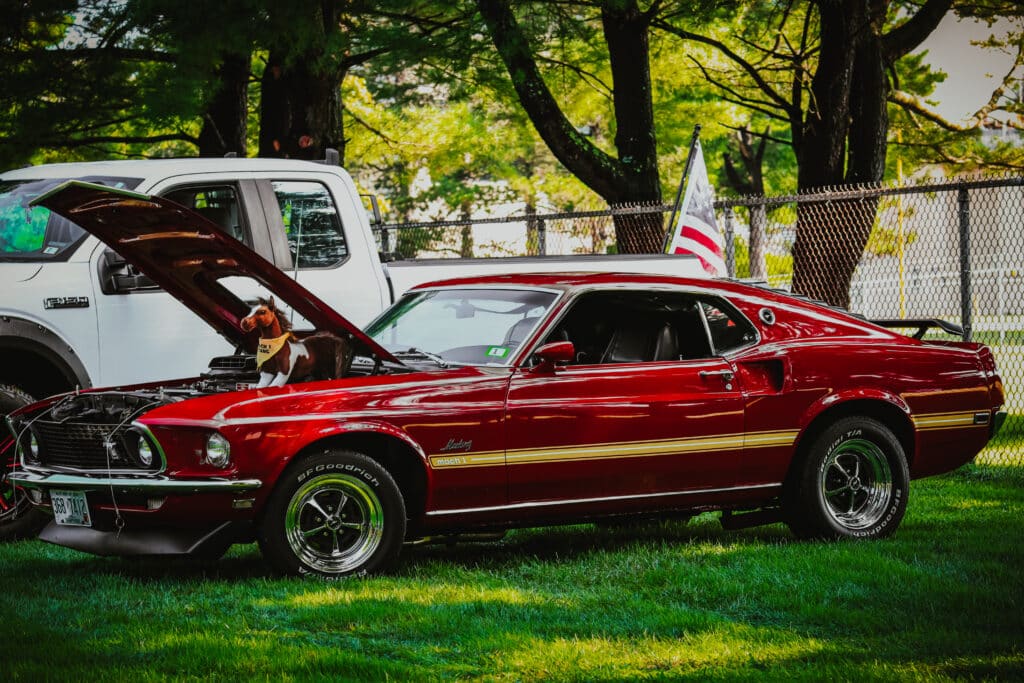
(569, 603)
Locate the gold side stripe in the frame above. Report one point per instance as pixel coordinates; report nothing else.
(628, 449)
(952, 420)
(933, 421)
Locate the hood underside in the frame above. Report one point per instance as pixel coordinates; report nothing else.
(188, 255)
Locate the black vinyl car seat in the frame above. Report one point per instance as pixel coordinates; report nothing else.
(641, 342)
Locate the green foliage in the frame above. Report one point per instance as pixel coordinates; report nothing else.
(778, 264)
(664, 602)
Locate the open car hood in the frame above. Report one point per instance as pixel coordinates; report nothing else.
(188, 255)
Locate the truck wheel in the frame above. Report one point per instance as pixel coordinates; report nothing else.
(852, 483)
(18, 519)
(333, 515)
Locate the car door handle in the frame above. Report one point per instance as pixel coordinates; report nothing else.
(727, 375)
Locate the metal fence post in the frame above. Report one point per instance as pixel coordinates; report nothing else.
(385, 240)
(542, 238)
(730, 243)
(966, 295)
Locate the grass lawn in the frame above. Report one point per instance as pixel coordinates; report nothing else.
(943, 599)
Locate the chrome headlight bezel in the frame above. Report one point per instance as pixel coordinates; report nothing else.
(140, 448)
(217, 452)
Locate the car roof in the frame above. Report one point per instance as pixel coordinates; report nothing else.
(757, 291)
(577, 280)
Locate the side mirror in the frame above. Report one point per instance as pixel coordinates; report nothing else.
(118, 277)
(553, 353)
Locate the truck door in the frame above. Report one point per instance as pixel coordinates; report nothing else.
(319, 238)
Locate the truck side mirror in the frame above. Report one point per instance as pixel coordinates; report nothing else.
(374, 209)
(119, 277)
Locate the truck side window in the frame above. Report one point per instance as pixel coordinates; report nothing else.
(311, 223)
(218, 204)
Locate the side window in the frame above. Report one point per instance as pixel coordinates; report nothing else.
(217, 203)
(311, 224)
(634, 327)
(729, 330)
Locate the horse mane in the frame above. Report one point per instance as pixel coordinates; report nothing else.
(282, 320)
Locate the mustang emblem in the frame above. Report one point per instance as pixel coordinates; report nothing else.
(457, 445)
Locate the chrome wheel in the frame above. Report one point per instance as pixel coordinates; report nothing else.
(334, 523)
(856, 484)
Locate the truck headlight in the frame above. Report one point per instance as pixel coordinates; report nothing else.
(218, 451)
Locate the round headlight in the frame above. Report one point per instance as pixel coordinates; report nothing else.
(218, 450)
(145, 452)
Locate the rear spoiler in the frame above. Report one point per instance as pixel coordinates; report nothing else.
(923, 325)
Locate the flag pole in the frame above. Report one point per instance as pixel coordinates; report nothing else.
(679, 193)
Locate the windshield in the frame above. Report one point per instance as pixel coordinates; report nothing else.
(30, 233)
(471, 326)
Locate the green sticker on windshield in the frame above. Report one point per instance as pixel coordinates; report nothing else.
(497, 351)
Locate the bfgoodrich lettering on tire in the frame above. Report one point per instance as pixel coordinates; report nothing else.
(334, 515)
(851, 483)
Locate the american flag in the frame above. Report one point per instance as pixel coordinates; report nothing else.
(696, 231)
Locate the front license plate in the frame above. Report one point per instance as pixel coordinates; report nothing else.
(70, 508)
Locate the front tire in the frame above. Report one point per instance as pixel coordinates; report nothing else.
(18, 519)
(852, 482)
(334, 515)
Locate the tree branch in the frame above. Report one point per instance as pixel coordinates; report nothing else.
(737, 98)
(120, 139)
(765, 87)
(587, 77)
(603, 172)
(913, 104)
(390, 142)
(905, 38)
(127, 54)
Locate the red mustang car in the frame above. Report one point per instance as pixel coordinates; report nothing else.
(491, 403)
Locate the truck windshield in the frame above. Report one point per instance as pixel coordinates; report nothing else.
(32, 233)
(461, 326)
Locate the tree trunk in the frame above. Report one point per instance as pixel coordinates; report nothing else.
(633, 175)
(466, 233)
(300, 109)
(758, 242)
(225, 120)
(843, 139)
(752, 183)
(823, 256)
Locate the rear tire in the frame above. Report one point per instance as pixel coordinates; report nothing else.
(18, 518)
(852, 482)
(332, 516)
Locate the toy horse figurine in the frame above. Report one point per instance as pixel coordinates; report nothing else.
(282, 357)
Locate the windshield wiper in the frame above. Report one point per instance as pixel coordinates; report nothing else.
(413, 352)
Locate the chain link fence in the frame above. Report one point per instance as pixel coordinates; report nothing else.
(951, 250)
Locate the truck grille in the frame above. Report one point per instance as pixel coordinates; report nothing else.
(82, 446)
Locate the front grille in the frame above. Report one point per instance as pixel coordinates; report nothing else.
(83, 446)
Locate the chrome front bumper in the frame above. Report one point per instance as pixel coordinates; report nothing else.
(151, 484)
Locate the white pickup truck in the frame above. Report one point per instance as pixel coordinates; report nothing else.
(72, 313)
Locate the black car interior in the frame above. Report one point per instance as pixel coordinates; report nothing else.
(638, 327)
